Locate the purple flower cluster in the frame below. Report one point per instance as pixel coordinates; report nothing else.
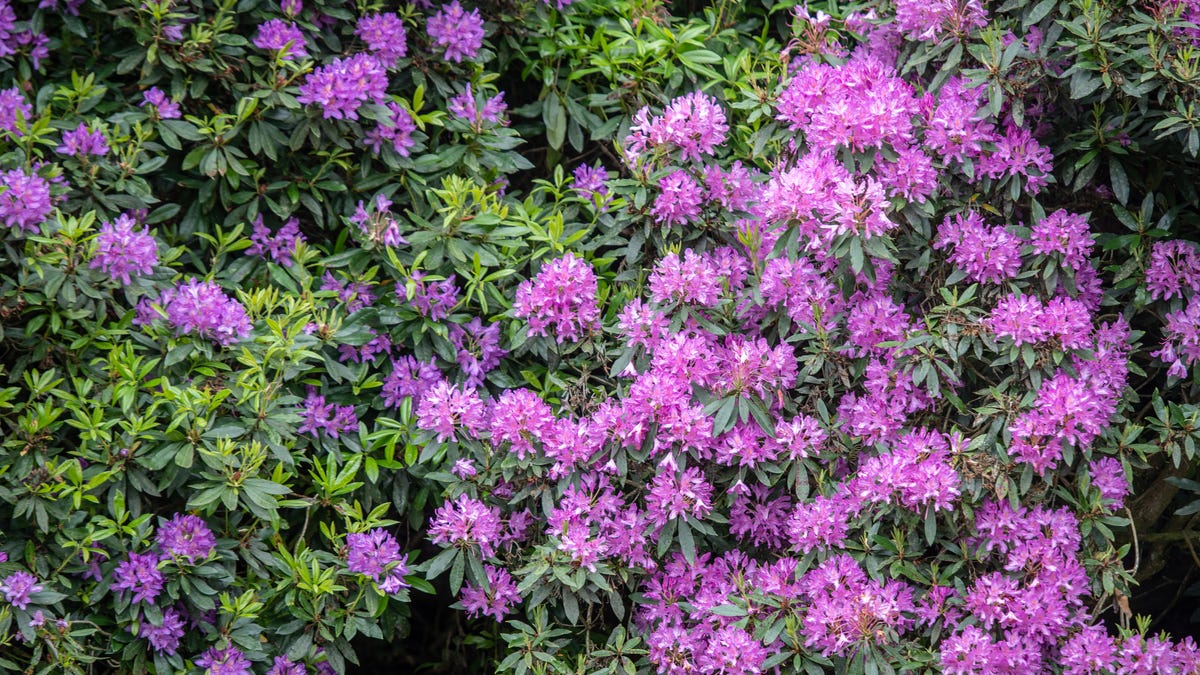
(384, 35)
(18, 587)
(496, 600)
(929, 21)
(467, 523)
(983, 253)
(278, 246)
(432, 299)
(227, 661)
(25, 201)
(467, 107)
(409, 378)
(82, 142)
(560, 300)
(139, 574)
(203, 308)
(376, 554)
(378, 225)
(282, 37)
(446, 410)
(186, 537)
(354, 294)
(694, 125)
(477, 348)
(316, 414)
(164, 636)
(344, 85)
(121, 251)
(164, 107)
(1181, 339)
(12, 103)
(1025, 320)
(457, 31)
(592, 184)
(1174, 269)
(397, 131)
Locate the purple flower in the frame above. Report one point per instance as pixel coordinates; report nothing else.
(692, 279)
(384, 35)
(355, 294)
(227, 661)
(82, 142)
(13, 101)
(456, 30)
(496, 600)
(377, 555)
(25, 203)
(679, 199)
(561, 299)
(987, 254)
(674, 494)
(466, 107)
(38, 44)
(694, 124)
(165, 637)
(121, 252)
(467, 523)
(1065, 234)
(1019, 154)
(1108, 476)
(379, 225)
(1174, 268)
(446, 409)
(1181, 339)
(479, 350)
(432, 300)
(165, 109)
(928, 21)
(343, 86)
(18, 586)
(291, 8)
(284, 666)
(409, 377)
(398, 133)
(283, 37)
(201, 307)
(316, 414)
(139, 573)
(278, 246)
(186, 537)
(592, 184)
(519, 418)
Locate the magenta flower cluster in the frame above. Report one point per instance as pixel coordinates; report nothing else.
(561, 300)
(122, 251)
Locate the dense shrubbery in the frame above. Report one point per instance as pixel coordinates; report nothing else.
(656, 339)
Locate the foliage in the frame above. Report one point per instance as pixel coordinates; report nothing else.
(724, 340)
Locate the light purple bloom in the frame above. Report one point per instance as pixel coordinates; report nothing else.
(186, 537)
(18, 586)
(139, 573)
(201, 307)
(227, 661)
(165, 637)
(561, 300)
(282, 36)
(343, 86)
(25, 203)
(164, 107)
(122, 252)
(384, 35)
(377, 555)
(459, 32)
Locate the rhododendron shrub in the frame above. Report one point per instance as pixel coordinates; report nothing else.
(595, 337)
